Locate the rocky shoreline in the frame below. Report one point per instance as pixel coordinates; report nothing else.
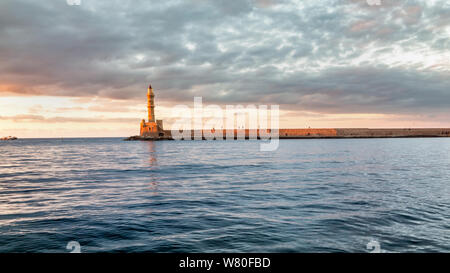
(8, 138)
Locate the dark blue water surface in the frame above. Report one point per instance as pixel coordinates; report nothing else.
(225, 196)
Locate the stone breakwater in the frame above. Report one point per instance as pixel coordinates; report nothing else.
(317, 133)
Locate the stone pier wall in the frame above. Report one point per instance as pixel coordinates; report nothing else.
(413, 132)
(322, 133)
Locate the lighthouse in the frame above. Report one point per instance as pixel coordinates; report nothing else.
(151, 104)
(152, 128)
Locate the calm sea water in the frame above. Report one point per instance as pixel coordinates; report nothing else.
(225, 196)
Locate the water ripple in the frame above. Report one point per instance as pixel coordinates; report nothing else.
(201, 196)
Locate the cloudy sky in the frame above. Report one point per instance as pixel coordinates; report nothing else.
(83, 70)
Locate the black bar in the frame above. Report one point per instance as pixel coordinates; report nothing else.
(241, 262)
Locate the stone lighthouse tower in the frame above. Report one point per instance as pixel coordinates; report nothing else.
(152, 128)
(151, 104)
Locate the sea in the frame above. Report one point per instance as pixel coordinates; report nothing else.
(310, 195)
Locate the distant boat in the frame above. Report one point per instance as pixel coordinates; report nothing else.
(9, 138)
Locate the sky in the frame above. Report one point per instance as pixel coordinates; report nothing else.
(83, 70)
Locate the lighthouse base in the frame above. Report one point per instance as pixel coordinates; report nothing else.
(152, 130)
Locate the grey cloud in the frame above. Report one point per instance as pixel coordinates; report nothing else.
(344, 90)
(243, 52)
